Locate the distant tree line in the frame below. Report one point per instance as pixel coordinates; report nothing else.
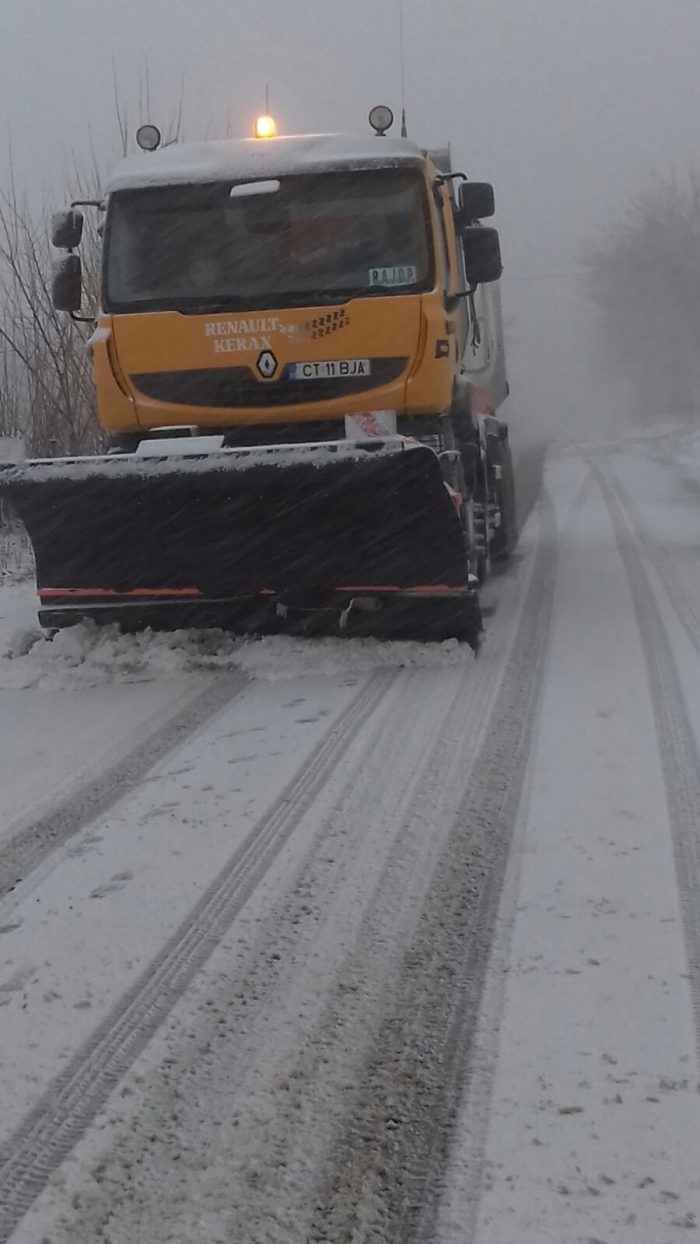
(644, 280)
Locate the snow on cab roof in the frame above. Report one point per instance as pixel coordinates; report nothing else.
(249, 158)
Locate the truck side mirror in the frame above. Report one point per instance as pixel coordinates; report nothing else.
(67, 283)
(482, 254)
(476, 200)
(66, 229)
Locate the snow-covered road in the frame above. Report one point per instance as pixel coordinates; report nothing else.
(322, 941)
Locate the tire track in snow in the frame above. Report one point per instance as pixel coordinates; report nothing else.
(676, 582)
(677, 744)
(71, 1102)
(305, 1014)
(32, 844)
(385, 1179)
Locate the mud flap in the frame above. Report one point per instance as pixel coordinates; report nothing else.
(203, 539)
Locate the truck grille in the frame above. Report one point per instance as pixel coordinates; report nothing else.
(233, 387)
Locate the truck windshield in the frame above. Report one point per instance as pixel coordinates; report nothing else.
(315, 239)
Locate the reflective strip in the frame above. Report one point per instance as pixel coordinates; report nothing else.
(53, 592)
(367, 587)
(431, 589)
(189, 593)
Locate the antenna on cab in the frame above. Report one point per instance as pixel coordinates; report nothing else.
(404, 129)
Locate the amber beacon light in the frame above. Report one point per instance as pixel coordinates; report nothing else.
(266, 127)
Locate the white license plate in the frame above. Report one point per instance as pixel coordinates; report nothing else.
(332, 369)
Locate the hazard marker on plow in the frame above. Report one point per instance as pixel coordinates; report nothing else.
(370, 423)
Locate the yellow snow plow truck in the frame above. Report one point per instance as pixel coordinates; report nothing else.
(298, 358)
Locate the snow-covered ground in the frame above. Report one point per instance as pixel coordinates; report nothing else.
(359, 941)
(590, 1051)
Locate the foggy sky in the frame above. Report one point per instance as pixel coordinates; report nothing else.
(566, 105)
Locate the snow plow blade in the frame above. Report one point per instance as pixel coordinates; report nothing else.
(336, 537)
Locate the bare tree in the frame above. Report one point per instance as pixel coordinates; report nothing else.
(46, 384)
(644, 280)
(49, 395)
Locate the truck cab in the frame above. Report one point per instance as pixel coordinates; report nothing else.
(288, 283)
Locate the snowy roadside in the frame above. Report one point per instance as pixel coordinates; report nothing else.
(58, 732)
(686, 451)
(680, 432)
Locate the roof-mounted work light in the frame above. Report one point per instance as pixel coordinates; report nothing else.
(148, 137)
(381, 119)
